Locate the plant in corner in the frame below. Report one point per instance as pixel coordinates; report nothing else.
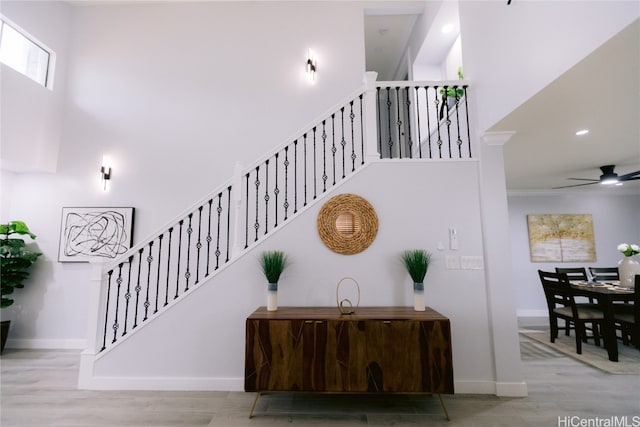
(451, 94)
(417, 263)
(273, 264)
(15, 264)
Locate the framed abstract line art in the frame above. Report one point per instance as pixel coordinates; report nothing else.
(88, 234)
(561, 238)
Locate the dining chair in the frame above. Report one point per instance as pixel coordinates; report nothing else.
(574, 273)
(577, 274)
(604, 274)
(627, 317)
(561, 305)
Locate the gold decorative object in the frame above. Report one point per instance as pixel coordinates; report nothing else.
(345, 305)
(347, 224)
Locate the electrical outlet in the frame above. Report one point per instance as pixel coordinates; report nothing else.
(472, 262)
(452, 262)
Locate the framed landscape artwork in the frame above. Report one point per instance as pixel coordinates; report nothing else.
(561, 238)
(95, 233)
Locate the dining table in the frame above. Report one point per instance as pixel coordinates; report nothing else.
(606, 295)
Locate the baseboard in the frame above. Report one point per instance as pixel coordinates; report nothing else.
(165, 384)
(512, 389)
(237, 384)
(65, 344)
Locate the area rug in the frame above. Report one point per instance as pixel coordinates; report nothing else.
(628, 357)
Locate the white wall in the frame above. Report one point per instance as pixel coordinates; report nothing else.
(175, 93)
(512, 51)
(208, 325)
(615, 221)
(31, 115)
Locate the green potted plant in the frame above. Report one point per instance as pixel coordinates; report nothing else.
(417, 263)
(273, 264)
(15, 264)
(451, 94)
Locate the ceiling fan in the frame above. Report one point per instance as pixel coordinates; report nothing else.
(608, 177)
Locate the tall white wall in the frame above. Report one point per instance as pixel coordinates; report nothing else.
(615, 221)
(206, 329)
(175, 93)
(31, 114)
(512, 51)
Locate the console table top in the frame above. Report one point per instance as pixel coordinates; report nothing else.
(362, 313)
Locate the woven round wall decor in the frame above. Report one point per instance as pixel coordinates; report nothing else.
(359, 236)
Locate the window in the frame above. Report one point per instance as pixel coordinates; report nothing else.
(23, 54)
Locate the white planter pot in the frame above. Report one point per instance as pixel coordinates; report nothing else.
(272, 297)
(628, 267)
(418, 297)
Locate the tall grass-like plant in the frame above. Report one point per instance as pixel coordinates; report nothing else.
(273, 264)
(417, 263)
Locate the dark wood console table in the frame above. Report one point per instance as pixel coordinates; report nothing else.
(375, 350)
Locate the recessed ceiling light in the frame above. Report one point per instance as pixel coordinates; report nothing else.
(582, 132)
(447, 29)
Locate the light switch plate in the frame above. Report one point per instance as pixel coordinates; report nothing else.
(452, 262)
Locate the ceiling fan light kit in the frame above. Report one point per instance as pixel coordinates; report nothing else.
(608, 177)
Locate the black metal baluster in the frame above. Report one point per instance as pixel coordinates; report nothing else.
(390, 143)
(333, 145)
(198, 245)
(305, 169)
(219, 210)
(417, 92)
(115, 321)
(106, 311)
(127, 297)
(399, 122)
(266, 196)
(187, 273)
(324, 157)
(439, 140)
(379, 113)
(246, 218)
(228, 219)
(295, 176)
(408, 104)
(343, 142)
(166, 298)
(158, 278)
(466, 107)
(353, 148)
(179, 256)
(256, 225)
(315, 173)
(448, 123)
(209, 238)
(286, 182)
(426, 92)
(458, 140)
(147, 304)
(138, 287)
(276, 191)
(362, 130)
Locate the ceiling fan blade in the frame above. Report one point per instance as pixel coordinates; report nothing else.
(629, 176)
(577, 185)
(584, 179)
(630, 179)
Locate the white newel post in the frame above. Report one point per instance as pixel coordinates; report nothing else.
(370, 117)
(237, 209)
(96, 304)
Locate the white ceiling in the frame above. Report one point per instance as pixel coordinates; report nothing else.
(544, 150)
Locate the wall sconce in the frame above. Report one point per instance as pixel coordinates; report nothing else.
(105, 172)
(312, 66)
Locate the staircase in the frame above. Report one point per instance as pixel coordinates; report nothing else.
(382, 120)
